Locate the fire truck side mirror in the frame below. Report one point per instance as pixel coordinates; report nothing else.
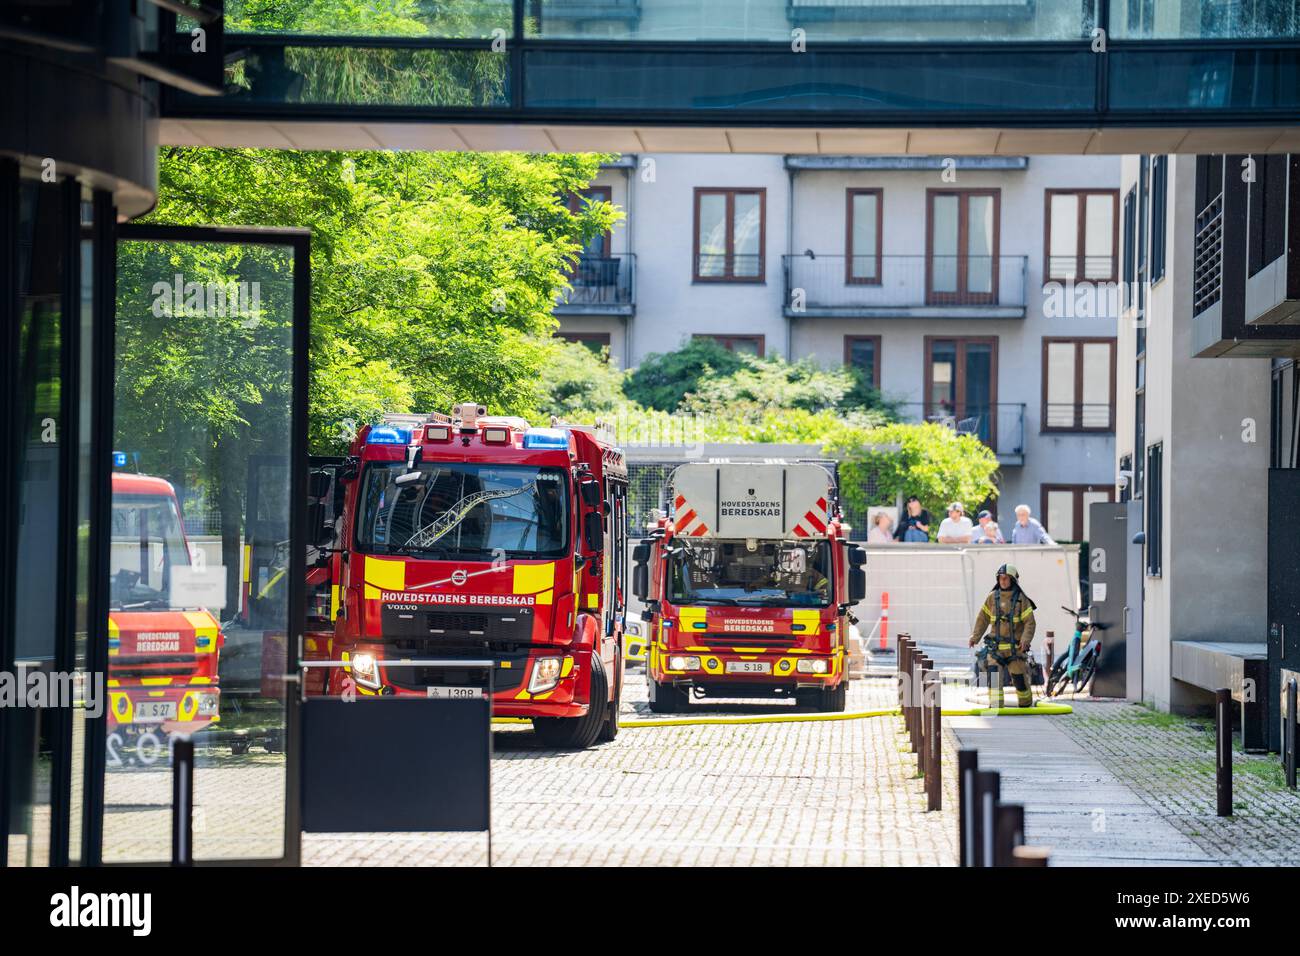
(590, 491)
(857, 556)
(318, 484)
(650, 610)
(593, 530)
(319, 531)
(640, 580)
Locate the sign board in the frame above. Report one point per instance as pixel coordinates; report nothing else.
(751, 500)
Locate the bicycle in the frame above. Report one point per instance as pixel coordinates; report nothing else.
(1078, 665)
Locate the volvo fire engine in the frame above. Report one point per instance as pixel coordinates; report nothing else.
(474, 537)
(748, 581)
(162, 650)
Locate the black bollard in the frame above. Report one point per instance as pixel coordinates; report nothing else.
(1289, 743)
(1223, 750)
(183, 803)
(968, 764)
(934, 751)
(988, 791)
(1009, 832)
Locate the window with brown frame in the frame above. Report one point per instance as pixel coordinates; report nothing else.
(863, 236)
(1081, 235)
(599, 246)
(961, 246)
(961, 384)
(598, 342)
(730, 242)
(1064, 511)
(748, 344)
(1078, 385)
(863, 353)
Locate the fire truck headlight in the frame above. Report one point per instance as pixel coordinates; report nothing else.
(208, 704)
(365, 670)
(546, 674)
(683, 663)
(812, 667)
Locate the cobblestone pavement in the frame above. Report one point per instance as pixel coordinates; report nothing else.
(810, 793)
(1168, 762)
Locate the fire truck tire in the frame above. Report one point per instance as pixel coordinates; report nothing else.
(667, 698)
(609, 729)
(835, 699)
(578, 733)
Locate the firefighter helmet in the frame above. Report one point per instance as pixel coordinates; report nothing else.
(1011, 571)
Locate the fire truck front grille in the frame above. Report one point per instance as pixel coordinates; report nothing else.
(751, 640)
(437, 626)
(512, 663)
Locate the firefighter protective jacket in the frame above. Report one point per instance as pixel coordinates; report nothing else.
(1006, 615)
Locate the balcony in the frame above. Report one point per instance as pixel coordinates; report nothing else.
(601, 285)
(937, 287)
(1000, 425)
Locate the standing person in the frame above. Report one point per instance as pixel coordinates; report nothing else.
(915, 523)
(988, 531)
(1008, 617)
(956, 528)
(1027, 529)
(882, 530)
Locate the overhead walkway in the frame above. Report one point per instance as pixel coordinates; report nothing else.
(830, 77)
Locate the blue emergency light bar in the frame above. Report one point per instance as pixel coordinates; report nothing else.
(388, 435)
(119, 459)
(546, 438)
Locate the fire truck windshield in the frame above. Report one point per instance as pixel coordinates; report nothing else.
(774, 574)
(147, 543)
(460, 510)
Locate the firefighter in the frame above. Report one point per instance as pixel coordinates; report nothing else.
(1008, 617)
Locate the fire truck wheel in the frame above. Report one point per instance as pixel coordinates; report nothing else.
(578, 733)
(835, 698)
(609, 729)
(667, 698)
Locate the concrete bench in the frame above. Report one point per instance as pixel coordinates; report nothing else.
(1242, 668)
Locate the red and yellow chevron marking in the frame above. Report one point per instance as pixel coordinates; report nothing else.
(815, 519)
(687, 521)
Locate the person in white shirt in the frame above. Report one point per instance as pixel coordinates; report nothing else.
(956, 528)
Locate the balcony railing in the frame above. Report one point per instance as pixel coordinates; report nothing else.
(1000, 425)
(601, 285)
(902, 286)
(1207, 263)
(1073, 416)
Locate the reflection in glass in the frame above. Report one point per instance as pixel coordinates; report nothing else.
(387, 18)
(202, 425)
(822, 20)
(29, 747)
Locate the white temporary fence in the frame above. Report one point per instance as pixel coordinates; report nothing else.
(935, 590)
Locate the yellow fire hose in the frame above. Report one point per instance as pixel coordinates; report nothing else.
(1042, 710)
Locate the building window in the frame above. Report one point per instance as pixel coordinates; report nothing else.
(1065, 509)
(1155, 501)
(1078, 385)
(1081, 234)
(862, 352)
(729, 234)
(1266, 211)
(961, 246)
(1139, 440)
(961, 384)
(1130, 221)
(1159, 215)
(598, 342)
(1142, 274)
(863, 236)
(746, 344)
(597, 247)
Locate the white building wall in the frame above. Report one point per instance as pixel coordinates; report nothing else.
(1213, 581)
(671, 306)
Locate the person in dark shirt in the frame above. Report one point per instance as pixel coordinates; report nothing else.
(914, 525)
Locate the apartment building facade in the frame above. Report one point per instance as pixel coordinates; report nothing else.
(949, 282)
(1207, 430)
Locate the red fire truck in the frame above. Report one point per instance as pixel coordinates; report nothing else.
(477, 538)
(748, 581)
(162, 649)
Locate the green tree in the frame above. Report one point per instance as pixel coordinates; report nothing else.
(928, 460)
(576, 382)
